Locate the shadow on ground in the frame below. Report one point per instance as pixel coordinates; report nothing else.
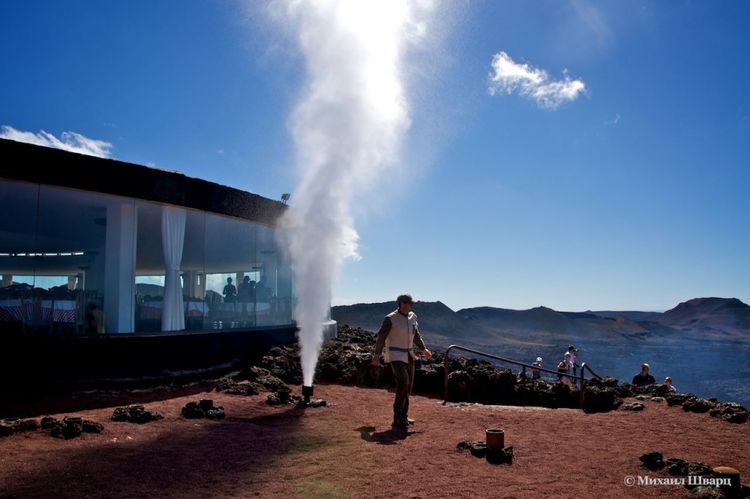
(388, 437)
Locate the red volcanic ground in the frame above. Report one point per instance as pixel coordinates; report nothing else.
(348, 450)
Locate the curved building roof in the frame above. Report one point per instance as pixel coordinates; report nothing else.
(44, 165)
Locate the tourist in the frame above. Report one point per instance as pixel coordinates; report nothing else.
(246, 292)
(535, 372)
(230, 291)
(563, 368)
(573, 358)
(397, 338)
(643, 379)
(668, 382)
(94, 320)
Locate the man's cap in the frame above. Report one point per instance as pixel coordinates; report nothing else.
(405, 298)
(567, 354)
(538, 359)
(571, 347)
(645, 365)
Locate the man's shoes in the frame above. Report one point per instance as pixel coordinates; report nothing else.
(409, 420)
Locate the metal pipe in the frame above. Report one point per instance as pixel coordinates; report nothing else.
(307, 392)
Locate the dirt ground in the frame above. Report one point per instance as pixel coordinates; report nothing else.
(349, 450)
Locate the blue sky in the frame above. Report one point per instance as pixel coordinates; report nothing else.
(632, 194)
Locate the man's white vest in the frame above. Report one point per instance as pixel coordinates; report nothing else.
(400, 341)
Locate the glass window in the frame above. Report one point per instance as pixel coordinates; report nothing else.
(18, 255)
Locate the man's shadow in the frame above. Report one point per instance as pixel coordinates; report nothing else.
(388, 437)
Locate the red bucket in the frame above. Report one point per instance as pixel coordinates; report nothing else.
(495, 438)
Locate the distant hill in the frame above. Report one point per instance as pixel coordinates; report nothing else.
(714, 317)
(699, 318)
(438, 321)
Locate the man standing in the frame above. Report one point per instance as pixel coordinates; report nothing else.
(399, 334)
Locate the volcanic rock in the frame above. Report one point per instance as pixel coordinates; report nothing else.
(633, 406)
(698, 405)
(599, 398)
(500, 456)
(678, 398)
(10, 426)
(677, 467)
(234, 388)
(478, 449)
(707, 492)
(203, 409)
(48, 422)
(652, 460)
(459, 386)
(69, 427)
(731, 412)
(135, 414)
(89, 426)
(7, 427)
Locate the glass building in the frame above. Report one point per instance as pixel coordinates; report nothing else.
(98, 248)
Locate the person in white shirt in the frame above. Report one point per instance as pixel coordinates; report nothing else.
(399, 336)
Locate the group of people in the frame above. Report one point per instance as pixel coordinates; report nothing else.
(249, 291)
(643, 379)
(567, 366)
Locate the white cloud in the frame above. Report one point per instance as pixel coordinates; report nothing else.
(508, 76)
(68, 141)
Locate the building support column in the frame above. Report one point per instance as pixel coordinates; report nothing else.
(119, 268)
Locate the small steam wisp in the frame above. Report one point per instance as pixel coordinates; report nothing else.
(347, 129)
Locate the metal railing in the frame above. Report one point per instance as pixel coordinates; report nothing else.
(580, 376)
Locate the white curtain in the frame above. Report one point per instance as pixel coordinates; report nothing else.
(172, 240)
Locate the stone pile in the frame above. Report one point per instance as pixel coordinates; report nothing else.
(204, 409)
(493, 456)
(71, 426)
(135, 414)
(9, 426)
(705, 482)
(68, 427)
(728, 411)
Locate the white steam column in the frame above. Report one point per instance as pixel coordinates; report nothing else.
(347, 129)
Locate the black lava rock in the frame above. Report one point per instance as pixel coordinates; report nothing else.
(678, 467)
(600, 399)
(215, 413)
(69, 427)
(134, 414)
(193, 411)
(653, 460)
(698, 405)
(500, 456)
(633, 406)
(48, 422)
(731, 413)
(88, 426)
(478, 449)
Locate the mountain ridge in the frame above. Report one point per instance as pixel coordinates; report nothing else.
(697, 318)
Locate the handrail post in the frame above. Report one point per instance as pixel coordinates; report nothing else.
(581, 384)
(445, 376)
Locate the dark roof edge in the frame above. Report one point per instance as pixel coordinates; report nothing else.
(45, 165)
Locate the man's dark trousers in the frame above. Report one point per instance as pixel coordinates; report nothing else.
(403, 373)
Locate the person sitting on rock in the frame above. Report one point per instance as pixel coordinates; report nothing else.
(668, 382)
(535, 372)
(643, 379)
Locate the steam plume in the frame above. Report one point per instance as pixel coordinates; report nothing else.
(347, 129)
